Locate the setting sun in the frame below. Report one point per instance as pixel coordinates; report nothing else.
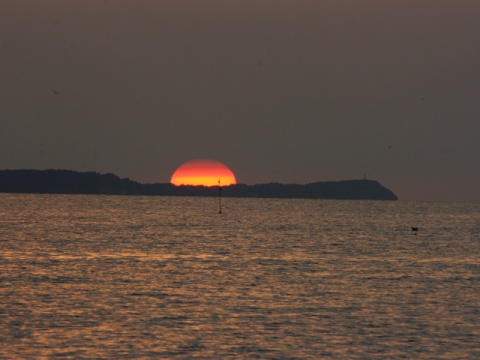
(204, 172)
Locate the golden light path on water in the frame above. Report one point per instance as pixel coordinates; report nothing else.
(166, 277)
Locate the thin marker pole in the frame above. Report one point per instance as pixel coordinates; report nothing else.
(219, 197)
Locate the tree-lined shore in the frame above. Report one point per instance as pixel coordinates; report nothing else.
(75, 182)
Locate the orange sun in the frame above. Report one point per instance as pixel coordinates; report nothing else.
(203, 172)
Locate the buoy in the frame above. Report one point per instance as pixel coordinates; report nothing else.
(219, 197)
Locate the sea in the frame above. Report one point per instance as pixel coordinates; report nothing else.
(127, 277)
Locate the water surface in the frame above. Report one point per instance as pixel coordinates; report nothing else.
(169, 277)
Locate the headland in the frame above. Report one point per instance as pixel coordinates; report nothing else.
(75, 182)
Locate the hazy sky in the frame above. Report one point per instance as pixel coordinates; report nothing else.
(290, 91)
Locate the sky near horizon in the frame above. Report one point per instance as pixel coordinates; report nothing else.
(290, 91)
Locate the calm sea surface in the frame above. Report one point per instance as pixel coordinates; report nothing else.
(169, 277)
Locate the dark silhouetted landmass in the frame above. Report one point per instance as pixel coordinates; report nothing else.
(74, 182)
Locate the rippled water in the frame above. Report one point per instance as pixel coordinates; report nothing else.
(159, 277)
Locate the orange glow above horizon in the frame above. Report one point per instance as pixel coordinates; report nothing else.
(204, 172)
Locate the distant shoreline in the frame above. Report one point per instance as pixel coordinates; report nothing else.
(75, 182)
